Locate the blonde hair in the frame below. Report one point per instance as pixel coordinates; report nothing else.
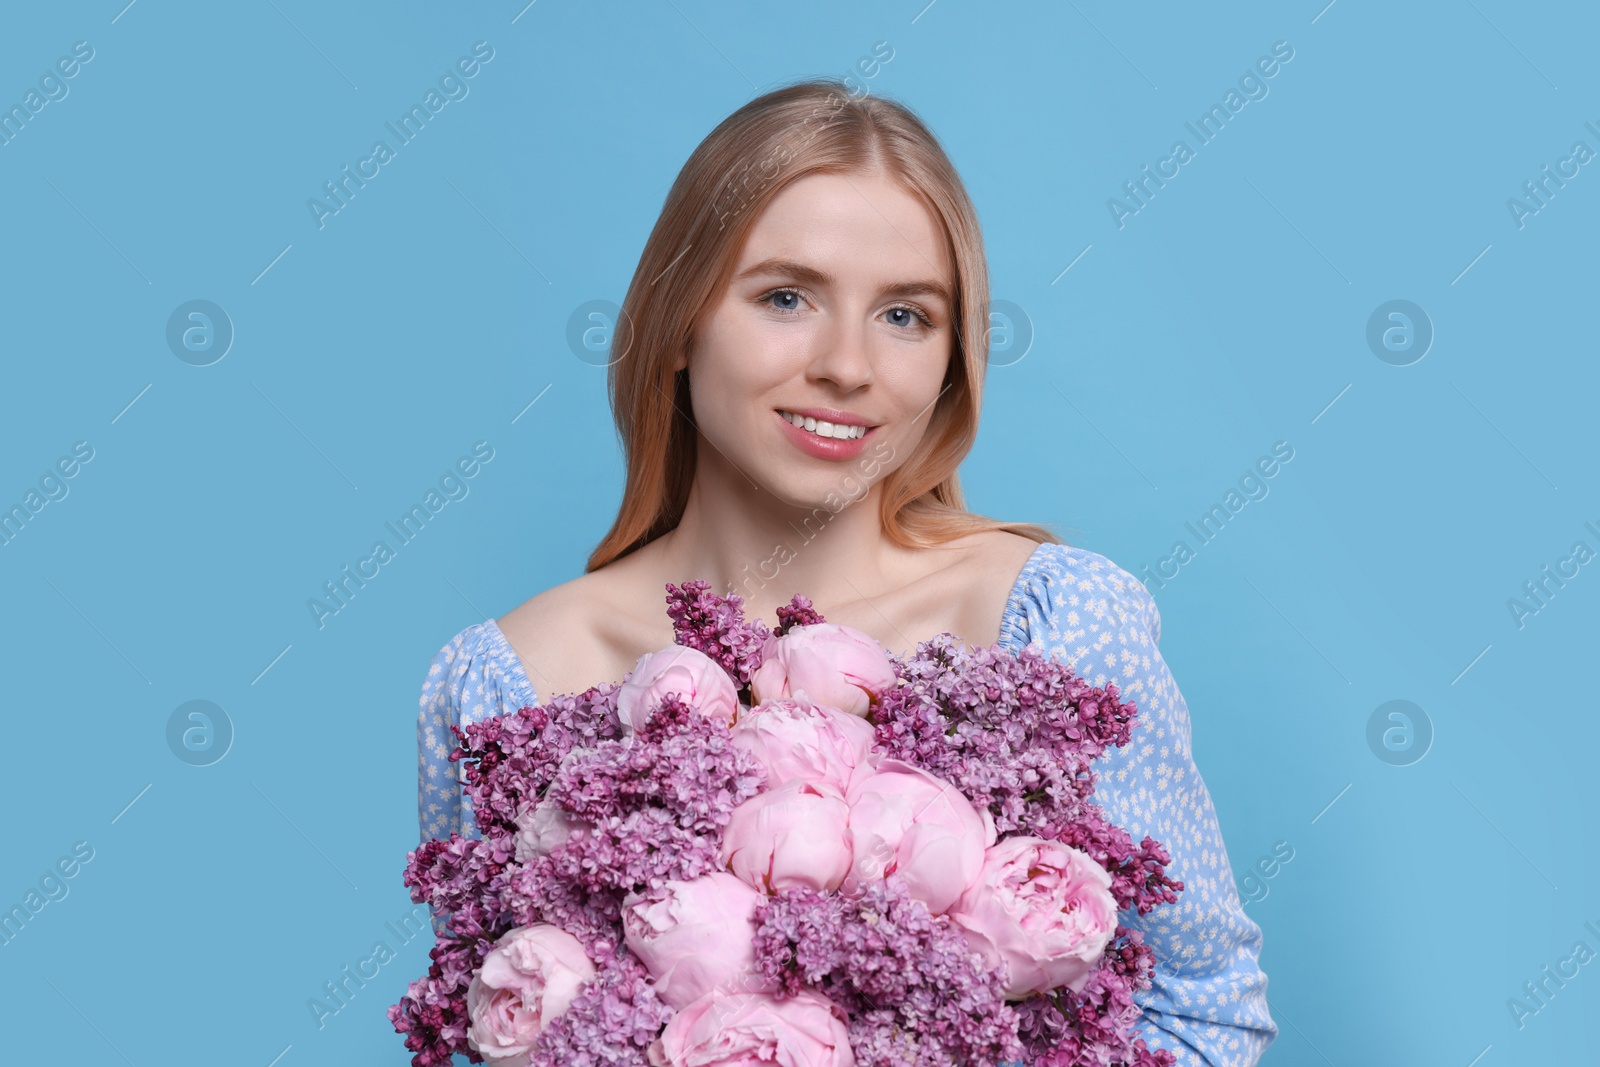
(810, 127)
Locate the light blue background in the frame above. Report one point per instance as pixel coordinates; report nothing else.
(1228, 314)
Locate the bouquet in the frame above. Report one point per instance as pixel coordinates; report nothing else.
(789, 847)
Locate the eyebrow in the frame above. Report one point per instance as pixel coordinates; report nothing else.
(812, 276)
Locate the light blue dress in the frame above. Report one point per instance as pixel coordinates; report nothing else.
(1208, 1001)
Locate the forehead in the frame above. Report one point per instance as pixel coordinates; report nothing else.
(865, 226)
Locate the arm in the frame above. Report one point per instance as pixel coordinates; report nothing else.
(438, 788)
(474, 676)
(1207, 1002)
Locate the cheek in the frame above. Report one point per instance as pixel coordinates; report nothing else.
(740, 368)
(727, 386)
(914, 379)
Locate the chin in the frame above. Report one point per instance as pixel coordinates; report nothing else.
(831, 494)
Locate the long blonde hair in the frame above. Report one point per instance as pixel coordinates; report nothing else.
(810, 127)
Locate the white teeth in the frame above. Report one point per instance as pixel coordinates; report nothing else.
(822, 428)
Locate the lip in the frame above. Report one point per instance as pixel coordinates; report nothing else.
(833, 415)
(824, 447)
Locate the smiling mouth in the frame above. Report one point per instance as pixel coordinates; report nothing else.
(832, 431)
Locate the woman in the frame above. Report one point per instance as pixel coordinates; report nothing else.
(796, 378)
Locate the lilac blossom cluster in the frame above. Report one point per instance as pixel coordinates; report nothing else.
(1017, 735)
(651, 806)
(916, 994)
(592, 802)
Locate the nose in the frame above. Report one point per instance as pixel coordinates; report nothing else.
(843, 354)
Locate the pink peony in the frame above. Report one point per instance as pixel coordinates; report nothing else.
(693, 675)
(755, 1030)
(527, 980)
(792, 835)
(831, 664)
(795, 739)
(1044, 908)
(543, 828)
(695, 936)
(905, 820)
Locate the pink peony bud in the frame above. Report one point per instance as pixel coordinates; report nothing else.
(791, 835)
(755, 1030)
(904, 820)
(697, 679)
(828, 663)
(526, 981)
(1042, 907)
(795, 739)
(695, 936)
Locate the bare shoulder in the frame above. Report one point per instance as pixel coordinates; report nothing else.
(1003, 552)
(999, 558)
(549, 612)
(576, 634)
(985, 565)
(966, 590)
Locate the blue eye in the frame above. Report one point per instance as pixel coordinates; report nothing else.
(910, 316)
(912, 313)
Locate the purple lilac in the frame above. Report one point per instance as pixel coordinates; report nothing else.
(916, 993)
(651, 809)
(433, 1012)
(1017, 734)
(512, 758)
(1138, 874)
(656, 802)
(461, 878)
(1095, 1026)
(611, 1022)
(716, 626)
(798, 612)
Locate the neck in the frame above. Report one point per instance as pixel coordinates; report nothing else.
(741, 539)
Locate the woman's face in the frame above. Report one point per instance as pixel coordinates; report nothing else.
(839, 306)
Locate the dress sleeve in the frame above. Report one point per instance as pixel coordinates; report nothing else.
(475, 676)
(1207, 1003)
(438, 782)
